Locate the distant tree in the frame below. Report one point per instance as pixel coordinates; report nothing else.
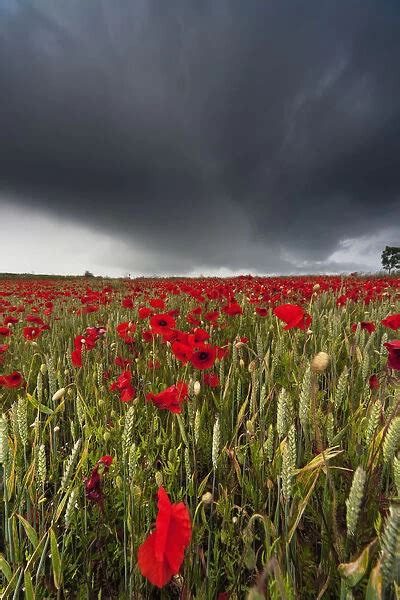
(391, 258)
(88, 274)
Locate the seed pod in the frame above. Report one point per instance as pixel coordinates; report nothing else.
(58, 395)
(320, 362)
(207, 498)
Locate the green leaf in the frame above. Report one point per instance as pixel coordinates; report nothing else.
(182, 429)
(29, 591)
(5, 568)
(354, 571)
(12, 583)
(374, 588)
(42, 407)
(202, 485)
(302, 506)
(29, 530)
(55, 559)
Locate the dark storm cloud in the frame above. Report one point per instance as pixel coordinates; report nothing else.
(249, 135)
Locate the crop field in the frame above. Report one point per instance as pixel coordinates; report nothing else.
(200, 438)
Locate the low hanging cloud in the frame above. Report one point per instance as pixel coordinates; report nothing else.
(204, 137)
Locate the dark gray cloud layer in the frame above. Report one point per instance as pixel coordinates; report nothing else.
(244, 134)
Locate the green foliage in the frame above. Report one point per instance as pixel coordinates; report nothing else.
(391, 258)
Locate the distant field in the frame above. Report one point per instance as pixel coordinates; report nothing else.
(200, 438)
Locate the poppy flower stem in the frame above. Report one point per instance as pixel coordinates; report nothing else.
(210, 525)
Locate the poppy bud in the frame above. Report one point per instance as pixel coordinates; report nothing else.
(320, 362)
(316, 287)
(207, 498)
(118, 482)
(106, 436)
(159, 478)
(241, 363)
(58, 395)
(196, 388)
(43, 369)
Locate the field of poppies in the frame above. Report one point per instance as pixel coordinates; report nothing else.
(200, 438)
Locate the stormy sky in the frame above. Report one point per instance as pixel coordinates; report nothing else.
(198, 136)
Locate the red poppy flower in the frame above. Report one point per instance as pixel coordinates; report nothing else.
(157, 303)
(124, 380)
(4, 348)
(31, 333)
(144, 312)
(183, 352)
(125, 331)
(123, 384)
(5, 331)
(14, 380)
(76, 358)
(199, 335)
(262, 312)
(221, 352)
(170, 399)
(93, 489)
(193, 320)
(204, 357)
(373, 382)
(159, 323)
(394, 354)
(211, 379)
(293, 315)
(211, 316)
(122, 362)
(147, 335)
(80, 342)
(128, 393)
(161, 554)
(10, 319)
(34, 319)
(367, 325)
(232, 309)
(127, 302)
(392, 321)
